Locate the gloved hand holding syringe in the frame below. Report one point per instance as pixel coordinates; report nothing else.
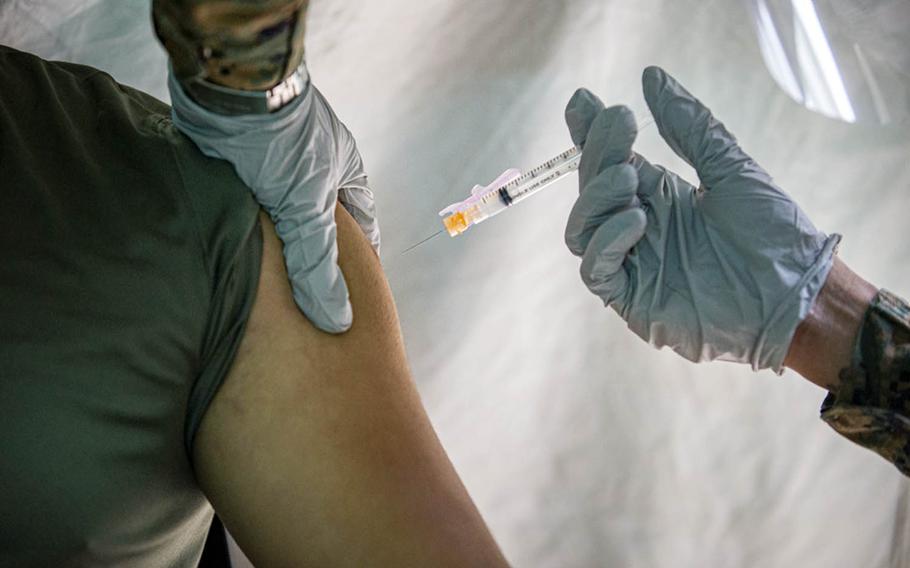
(508, 189)
(722, 269)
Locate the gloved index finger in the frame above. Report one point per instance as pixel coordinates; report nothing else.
(609, 142)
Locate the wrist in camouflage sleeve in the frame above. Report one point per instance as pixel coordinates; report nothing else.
(872, 405)
(240, 44)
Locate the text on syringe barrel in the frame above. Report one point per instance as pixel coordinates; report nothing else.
(542, 176)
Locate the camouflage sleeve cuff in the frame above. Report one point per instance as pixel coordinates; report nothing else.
(872, 404)
(238, 44)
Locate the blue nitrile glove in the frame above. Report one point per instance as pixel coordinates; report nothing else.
(722, 271)
(297, 161)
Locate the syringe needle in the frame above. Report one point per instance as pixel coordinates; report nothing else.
(409, 249)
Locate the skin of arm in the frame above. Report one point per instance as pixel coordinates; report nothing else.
(316, 450)
(823, 343)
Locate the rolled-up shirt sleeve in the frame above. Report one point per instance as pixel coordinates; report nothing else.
(872, 404)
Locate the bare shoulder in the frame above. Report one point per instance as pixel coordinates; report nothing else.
(316, 449)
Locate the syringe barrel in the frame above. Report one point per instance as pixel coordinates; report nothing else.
(544, 175)
(486, 208)
(482, 206)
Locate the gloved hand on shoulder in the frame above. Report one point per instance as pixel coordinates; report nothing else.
(298, 161)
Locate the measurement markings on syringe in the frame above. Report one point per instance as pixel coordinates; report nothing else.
(542, 181)
(528, 182)
(487, 202)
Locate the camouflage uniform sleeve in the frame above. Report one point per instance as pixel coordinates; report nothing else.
(241, 44)
(872, 404)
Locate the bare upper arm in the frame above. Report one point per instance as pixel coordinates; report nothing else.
(316, 451)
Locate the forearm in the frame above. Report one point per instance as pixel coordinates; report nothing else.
(824, 342)
(856, 343)
(240, 45)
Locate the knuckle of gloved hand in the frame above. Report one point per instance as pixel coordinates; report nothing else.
(591, 279)
(575, 240)
(571, 240)
(610, 290)
(580, 113)
(599, 266)
(627, 227)
(579, 219)
(619, 115)
(581, 229)
(622, 175)
(613, 187)
(622, 128)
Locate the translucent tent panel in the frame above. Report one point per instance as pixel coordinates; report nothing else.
(847, 59)
(582, 446)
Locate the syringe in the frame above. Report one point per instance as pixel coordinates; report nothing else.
(506, 190)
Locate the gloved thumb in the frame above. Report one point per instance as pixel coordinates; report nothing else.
(690, 129)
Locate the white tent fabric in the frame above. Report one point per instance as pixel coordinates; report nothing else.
(581, 445)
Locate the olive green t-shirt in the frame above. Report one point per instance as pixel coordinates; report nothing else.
(128, 267)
